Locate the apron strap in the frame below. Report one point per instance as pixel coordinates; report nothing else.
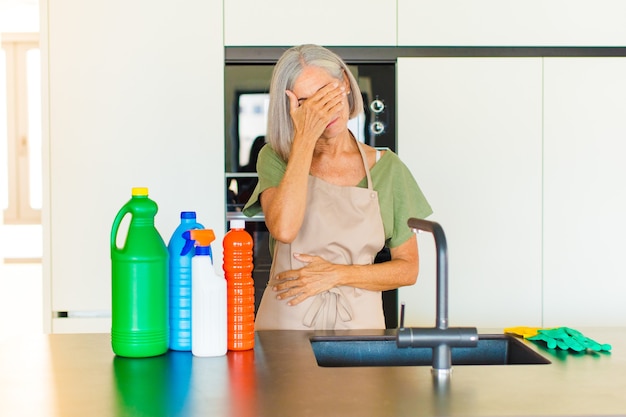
(365, 164)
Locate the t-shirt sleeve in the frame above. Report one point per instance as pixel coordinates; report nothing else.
(270, 169)
(400, 198)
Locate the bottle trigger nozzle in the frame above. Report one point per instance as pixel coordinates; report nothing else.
(189, 243)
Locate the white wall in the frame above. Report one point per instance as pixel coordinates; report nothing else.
(324, 22)
(585, 191)
(522, 159)
(19, 16)
(426, 23)
(511, 23)
(470, 131)
(134, 94)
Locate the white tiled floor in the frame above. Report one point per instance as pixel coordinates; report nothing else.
(21, 286)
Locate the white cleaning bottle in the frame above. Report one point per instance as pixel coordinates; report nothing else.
(208, 299)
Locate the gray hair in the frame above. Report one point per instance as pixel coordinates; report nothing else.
(280, 129)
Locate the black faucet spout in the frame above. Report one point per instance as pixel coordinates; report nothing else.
(441, 246)
(440, 338)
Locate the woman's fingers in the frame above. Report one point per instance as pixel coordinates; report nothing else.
(311, 115)
(293, 100)
(328, 96)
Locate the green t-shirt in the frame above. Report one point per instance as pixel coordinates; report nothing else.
(399, 196)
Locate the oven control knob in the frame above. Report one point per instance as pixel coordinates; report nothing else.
(377, 127)
(377, 106)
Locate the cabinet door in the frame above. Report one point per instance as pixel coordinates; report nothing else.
(133, 106)
(324, 22)
(470, 131)
(585, 191)
(511, 23)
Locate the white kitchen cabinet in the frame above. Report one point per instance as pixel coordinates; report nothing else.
(324, 22)
(511, 23)
(133, 96)
(470, 131)
(585, 191)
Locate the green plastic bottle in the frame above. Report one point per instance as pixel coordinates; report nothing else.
(139, 271)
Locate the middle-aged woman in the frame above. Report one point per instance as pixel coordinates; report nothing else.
(330, 203)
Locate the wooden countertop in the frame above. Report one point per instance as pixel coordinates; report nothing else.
(78, 375)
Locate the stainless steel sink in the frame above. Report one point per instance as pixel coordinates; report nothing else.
(350, 351)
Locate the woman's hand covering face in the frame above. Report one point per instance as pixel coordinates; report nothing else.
(313, 115)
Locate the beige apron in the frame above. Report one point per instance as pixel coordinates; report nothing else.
(343, 225)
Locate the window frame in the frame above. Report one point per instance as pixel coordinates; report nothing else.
(19, 209)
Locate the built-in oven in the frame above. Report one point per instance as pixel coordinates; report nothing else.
(246, 84)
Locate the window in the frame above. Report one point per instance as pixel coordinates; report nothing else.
(20, 133)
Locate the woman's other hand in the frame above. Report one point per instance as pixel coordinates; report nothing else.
(317, 276)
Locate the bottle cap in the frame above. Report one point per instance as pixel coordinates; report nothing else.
(238, 224)
(139, 191)
(187, 214)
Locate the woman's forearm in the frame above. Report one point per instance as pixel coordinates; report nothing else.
(319, 275)
(400, 271)
(284, 206)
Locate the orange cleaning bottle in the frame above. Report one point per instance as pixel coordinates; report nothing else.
(238, 266)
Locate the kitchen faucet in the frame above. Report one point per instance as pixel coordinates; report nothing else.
(440, 338)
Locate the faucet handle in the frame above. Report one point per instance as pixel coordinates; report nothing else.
(402, 306)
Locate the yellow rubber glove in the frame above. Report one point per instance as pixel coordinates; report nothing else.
(523, 331)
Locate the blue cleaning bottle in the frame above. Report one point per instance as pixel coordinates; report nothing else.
(180, 283)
